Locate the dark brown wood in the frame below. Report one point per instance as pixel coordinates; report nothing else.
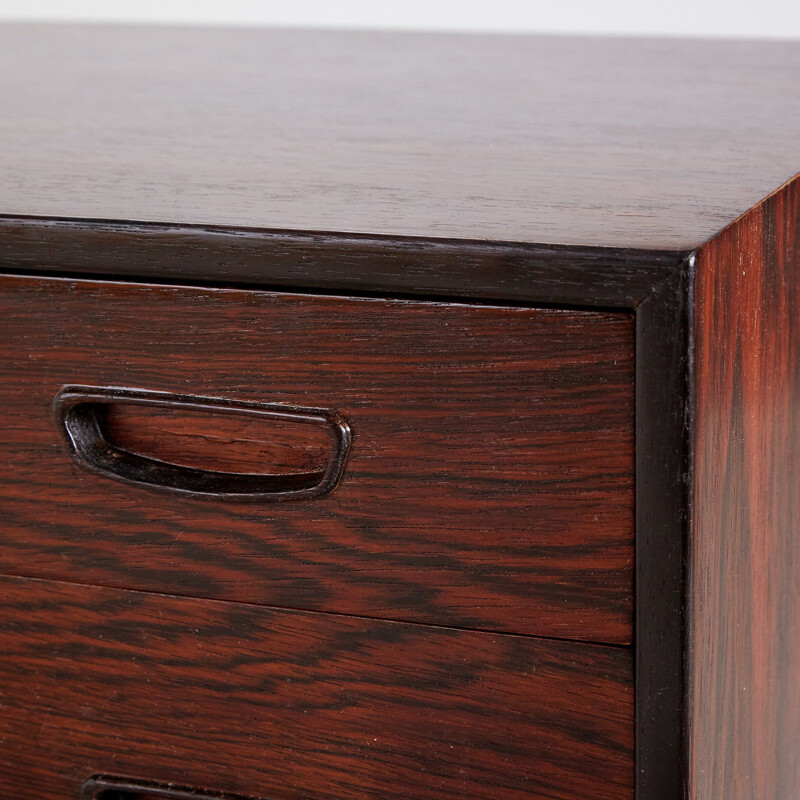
(565, 172)
(623, 143)
(489, 483)
(662, 453)
(104, 447)
(336, 262)
(745, 575)
(290, 705)
(107, 787)
(226, 443)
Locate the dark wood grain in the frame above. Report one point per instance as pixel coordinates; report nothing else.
(745, 586)
(223, 443)
(336, 262)
(625, 143)
(108, 787)
(492, 482)
(489, 483)
(662, 458)
(82, 417)
(298, 706)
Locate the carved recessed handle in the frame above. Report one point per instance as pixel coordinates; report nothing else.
(101, 787)
(89, 420)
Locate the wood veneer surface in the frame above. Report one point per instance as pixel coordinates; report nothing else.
(655, 144)
(299, 706)
(745, 575)
(489, 483)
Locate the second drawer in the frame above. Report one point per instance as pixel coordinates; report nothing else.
(489, 483)
(290, 705)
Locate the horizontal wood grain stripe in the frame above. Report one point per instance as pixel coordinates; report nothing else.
(335, 262)
(489, 482)
(294, 705)
(224, 443)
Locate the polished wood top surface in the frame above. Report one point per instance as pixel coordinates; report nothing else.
(645, 143)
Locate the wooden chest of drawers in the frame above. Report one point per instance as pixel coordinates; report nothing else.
(398, 416)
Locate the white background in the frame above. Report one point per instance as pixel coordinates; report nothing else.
(716, 18)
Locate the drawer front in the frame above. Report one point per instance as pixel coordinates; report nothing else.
(489, 481)
(293, 705)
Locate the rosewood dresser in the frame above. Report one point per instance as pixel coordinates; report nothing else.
(398, 416)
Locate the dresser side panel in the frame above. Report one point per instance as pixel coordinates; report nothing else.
(744, 717)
